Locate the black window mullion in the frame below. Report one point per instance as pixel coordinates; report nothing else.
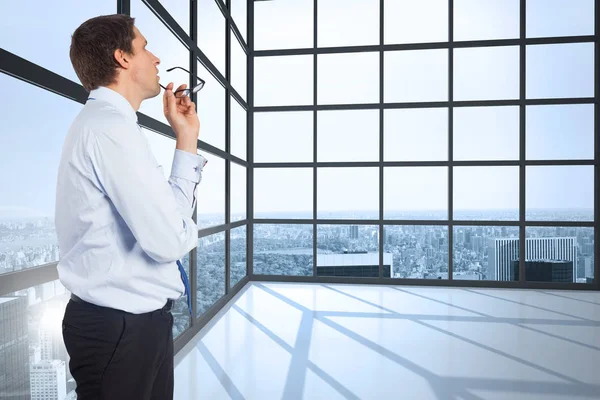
(522, 142)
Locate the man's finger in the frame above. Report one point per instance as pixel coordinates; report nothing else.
(169, 100)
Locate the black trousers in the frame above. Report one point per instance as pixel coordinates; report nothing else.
(117, 355)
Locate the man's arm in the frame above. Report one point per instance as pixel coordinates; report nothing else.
(186, 174)
(147, 203)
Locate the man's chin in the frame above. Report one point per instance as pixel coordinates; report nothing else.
(155, 93)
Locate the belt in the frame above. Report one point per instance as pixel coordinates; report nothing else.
(165, 309)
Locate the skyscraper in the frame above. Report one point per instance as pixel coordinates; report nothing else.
(14, 349)
(502, 252)
(353, 231)
(48, 380)
(545, 271)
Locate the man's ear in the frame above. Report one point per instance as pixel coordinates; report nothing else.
(122, 58)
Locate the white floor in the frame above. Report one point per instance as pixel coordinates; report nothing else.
(301, 341)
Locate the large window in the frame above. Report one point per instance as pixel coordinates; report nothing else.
(458, 151)
(30, 150)
(30, 155)
(31, 30)
(171, 52)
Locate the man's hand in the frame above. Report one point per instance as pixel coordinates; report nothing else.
(181, 114)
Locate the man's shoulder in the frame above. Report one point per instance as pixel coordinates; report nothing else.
(100, 119)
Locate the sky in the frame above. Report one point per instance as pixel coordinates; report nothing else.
(31, 150)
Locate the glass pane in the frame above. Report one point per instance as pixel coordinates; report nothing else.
(283, 192)
(163, 150)
(211, 271)
(29, 158)
(337, 22)
(239, 15)
(25, 39)
(560, 70)
(415, 134)
(486, 133)
(560, 132)
(237, 255)
(211, 110)
(348, 78)
(486, 193)
(239, 63)
(349, 251)
(485, 253)
(483, 20)
(348, 135)
(560, 18)
(211, 33)
(283, 249)
(33, 338)
(415, 193)
(211, 193)
(283, 81)
(238, 192)
(560, 193)
(415, 75)
(238, 129)
(415, 21)
(168, 49)
(559, 254)
(292, 20)
(180, 311)
(293, 144)
(416, 252)
(180, 11)
(338, 197)
(486, 73)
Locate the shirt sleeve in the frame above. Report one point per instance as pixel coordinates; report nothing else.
(186, 174)
(148, 204)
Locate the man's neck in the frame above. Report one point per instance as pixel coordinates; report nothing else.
(130, 95)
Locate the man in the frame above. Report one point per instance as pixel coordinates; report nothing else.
(121, 226)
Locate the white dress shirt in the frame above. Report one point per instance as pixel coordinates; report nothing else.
(121, 226)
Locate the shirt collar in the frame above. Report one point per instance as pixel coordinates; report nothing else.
(115, 99)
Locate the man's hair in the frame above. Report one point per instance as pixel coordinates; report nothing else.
(93, 45)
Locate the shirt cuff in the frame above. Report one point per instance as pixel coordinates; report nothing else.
(187, 165)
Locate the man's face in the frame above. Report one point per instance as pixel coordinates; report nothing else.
(144, 69)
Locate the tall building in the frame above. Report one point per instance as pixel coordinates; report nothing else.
(478, 242)
(589, 267)
(502, 253)
(545, 271)
(48, 380)
(353, 231)
(354, 264)
(14, 349)
(50, 333)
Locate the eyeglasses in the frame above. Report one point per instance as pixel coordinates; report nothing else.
(186, 92)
